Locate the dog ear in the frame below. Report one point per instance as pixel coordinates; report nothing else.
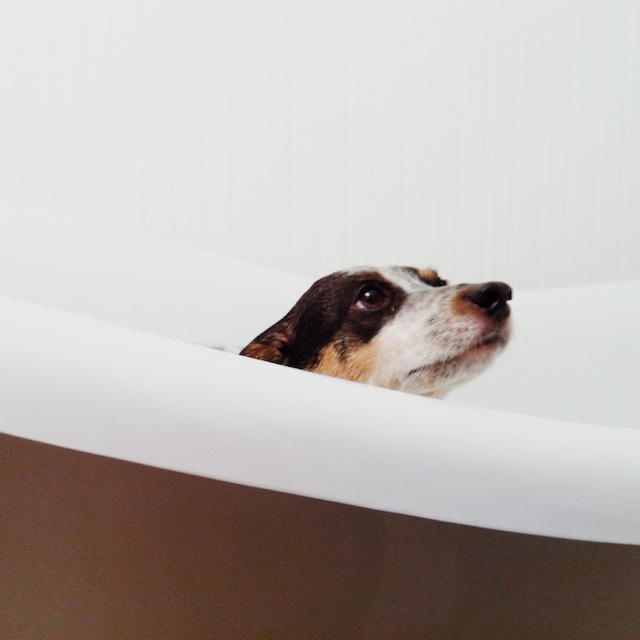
(273, 345)
(298, 338)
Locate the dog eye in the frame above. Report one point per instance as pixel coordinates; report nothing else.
(371, 297)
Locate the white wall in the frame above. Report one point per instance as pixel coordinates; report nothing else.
(488, 138)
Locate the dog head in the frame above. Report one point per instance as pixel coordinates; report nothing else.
(396, 327)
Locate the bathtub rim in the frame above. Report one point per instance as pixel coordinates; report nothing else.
(474, 487)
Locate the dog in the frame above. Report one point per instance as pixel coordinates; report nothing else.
(397, 327)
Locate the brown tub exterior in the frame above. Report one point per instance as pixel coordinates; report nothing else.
(96, 548)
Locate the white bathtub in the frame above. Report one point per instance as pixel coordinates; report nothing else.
(100, 353)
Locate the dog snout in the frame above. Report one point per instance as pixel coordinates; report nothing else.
(491, 297)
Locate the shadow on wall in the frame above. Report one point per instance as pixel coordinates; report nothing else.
(98, 548)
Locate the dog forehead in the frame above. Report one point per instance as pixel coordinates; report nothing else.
(407, 279)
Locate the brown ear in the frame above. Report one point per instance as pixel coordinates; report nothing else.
(273, 344)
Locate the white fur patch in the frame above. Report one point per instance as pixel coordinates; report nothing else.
(427, 347)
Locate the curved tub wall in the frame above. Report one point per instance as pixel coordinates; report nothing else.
(559, 363)
(303, 433)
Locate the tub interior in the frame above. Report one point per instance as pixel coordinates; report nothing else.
(572, 355)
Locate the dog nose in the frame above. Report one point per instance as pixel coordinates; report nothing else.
(491, 297)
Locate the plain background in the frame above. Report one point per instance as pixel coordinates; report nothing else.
(492, 139)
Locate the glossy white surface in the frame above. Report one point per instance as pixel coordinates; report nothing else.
(76, 381)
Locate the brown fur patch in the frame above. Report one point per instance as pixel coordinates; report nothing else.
(271, 345)
(461, 306)
(431, 276)
(269, 352)
(357, 366)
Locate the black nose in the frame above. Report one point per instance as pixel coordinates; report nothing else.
(491, 297)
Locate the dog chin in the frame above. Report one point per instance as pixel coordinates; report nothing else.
(484, 350)
(436, 379)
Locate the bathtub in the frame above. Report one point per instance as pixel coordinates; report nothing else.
(160, 488)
